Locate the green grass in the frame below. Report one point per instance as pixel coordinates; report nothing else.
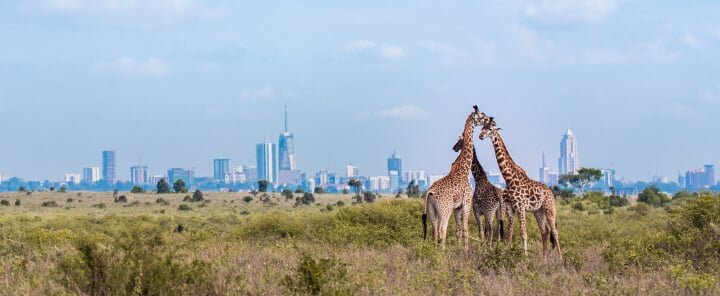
(227, 246)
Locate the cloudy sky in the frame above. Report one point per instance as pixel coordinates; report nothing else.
(179, 82)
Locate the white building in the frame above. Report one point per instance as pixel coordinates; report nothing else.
(568, 163)
(73, 178)
(91, 174)
(351, 171)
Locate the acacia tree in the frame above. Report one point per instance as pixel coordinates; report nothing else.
(413, 189)
(583, 178)
(262, 185)
(163, 186)
(179, 186)
(356, 185)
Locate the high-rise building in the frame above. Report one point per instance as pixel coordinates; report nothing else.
(546, 175)
(221, 169)
(286, 147)
(91, 174)
(175, 174)
(153, 180)
(568, 163)
(351, 171)
(139, 175)
(267, 166)
(394, 181)
(394, 163)
(108, 166)
(251, 173)
(323, 177)
(608, 178)
(710, 175)
(72, 178)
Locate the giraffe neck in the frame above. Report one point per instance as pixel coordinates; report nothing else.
(511, 172)
(477, 169)
(462, 163)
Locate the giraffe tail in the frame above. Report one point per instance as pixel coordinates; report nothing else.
(424, 223)
(552, 237)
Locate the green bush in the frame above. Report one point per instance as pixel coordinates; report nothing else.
(184, 207)
(247, 199)
(652, 196)
(17, 202)
(578, 206)
(99, 206)
(318, 277)
(5, 202)
(49, 204)
(197, 196)
(162, 201)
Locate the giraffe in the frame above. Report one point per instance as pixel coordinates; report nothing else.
(486, 201)
(523, 194)
(453, 193)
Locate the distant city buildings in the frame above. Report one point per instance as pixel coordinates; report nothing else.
(394, 163)
(139, 175)
(266, 155)
(351, 171)
(91, 174)
(701, 178)
(546, 175)
(221, 169)
(73, 178)
(286, 146)
(568, 163)
(108, 166)
(175, 174)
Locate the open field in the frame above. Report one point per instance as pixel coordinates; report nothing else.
(85, 243)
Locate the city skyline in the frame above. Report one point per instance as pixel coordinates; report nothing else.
(189, 81)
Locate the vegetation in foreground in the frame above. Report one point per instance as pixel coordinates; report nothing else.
(235, 243)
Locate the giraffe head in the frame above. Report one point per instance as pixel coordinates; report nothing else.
(458, 145)
(489, 130)
(479, 117)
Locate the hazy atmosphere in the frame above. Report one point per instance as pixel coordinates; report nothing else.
(180, 82)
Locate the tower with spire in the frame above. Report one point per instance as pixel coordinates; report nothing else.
(568, 163)
(288, 172)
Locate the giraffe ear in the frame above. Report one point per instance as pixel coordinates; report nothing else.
(475, 107)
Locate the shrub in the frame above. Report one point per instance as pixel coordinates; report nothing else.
(99, 206)
(652, 196)
(5, 202)
(121, 198)
(197, 196)
(315, 277)
(329, 207)
(137, 189)
(578, 206)
(247, 199)
(162, 201)
(49, 204)
(299, 190)
(17, 202)
(369, 196)
(319, 190)
(187, 198)
(340, 203)
(69, 199)
(641, 208)
(306, 199)
(287, 193)
(184, 207)
(618, 201)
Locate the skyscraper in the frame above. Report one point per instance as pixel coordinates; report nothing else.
(91, 174)
(394, 163)
(108, 166)
(286, 146)
(710, 175)
(545, 174)
(139, 175)
(175, 174)
(351, 171)
(568, 163)
(267, 166)
(221, 169)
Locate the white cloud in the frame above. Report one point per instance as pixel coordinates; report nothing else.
(263, 93)
(408, 111)
(131, 67)
(380, 50)
(129, 7)
(689, 40)
(570, 10)
(531, 45)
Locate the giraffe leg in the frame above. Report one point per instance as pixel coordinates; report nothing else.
(511, 224)
(544, 231)
(488, 227)
(458, 223)
(550, 216)
(433, 216)
(478, 219)
(499, 213)
(523, 229)
(465, 220)
(442, 231)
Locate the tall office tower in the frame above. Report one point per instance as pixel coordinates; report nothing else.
(544, 172)
(175, 174)
(91, 174)
(323, 177)
(394, 181)
(108, 166)
(267, 166)
(681, 180)
(394, 163)
(251, 173)
(608, 177)
(568, 162)
(286, 147)
(351, 171)
(710, 175)
(221, 169)
(139, 175)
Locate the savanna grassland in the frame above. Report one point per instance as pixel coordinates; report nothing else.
(85, 243)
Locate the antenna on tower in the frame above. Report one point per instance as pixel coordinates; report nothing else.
(286, 120)
(543, 159)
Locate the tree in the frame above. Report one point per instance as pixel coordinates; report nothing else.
(319, 190)
(651, 195)
(262, 185)
(197, 196)
(345, 191)
(369, 196)
(356, 185)
(247, 199)
(137, 189)
(179, 186)
(163, 186)
(22, 189)
(583, 178)
(413, 189)
(287, 193)
(63, 189)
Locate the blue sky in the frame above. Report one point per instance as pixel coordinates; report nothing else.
(179, 82)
